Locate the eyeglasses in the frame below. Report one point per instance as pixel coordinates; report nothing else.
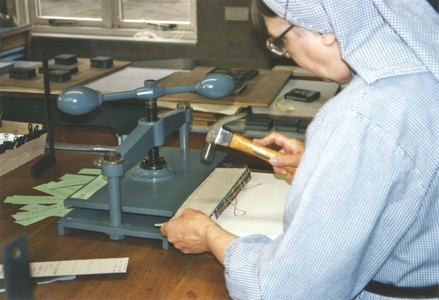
(277, 45)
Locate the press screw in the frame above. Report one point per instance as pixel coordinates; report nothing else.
(112, 158)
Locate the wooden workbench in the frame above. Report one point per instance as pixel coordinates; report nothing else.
(153, 273)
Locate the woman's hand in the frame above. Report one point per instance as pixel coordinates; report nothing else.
(292, 148)
(194, 232)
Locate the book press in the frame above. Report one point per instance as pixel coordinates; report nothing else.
(146, 184)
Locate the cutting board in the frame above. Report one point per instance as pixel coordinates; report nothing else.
(260, 92)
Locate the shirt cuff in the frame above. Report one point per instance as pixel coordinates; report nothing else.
(241, 262)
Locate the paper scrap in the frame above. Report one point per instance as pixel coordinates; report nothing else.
(38, 208)
(61, 192)
(31, 207)
(90, 171)
(76, 267)
(91, 188)
(30, 217)
(69, 184)
(23, 200)
(77, 177)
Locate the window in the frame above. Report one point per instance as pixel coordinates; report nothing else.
(151, 20)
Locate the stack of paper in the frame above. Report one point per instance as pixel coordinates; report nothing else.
(217, 191)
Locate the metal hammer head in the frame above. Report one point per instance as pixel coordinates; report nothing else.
(215, 134)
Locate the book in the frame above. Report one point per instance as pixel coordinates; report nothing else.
(217, 191)
(259, 208)
(232, 194)
(242, 202)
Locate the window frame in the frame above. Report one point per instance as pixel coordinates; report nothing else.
(110, 28)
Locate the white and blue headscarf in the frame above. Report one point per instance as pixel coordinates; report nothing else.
(377, 38)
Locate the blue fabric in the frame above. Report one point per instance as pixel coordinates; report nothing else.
(364, 203)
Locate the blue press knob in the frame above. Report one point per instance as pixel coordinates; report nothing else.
(79, 100)
(215, 86)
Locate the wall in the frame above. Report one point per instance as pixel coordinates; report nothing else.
(221, 43)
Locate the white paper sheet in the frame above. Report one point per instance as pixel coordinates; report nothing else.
(262, 200)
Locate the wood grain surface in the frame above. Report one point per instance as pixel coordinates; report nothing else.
(260, 91)
(153, 273)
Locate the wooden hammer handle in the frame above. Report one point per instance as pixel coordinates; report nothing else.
(243, 144)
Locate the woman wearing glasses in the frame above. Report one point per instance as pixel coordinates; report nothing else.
(362, 217)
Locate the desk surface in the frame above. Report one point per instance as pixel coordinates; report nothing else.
(153, 273)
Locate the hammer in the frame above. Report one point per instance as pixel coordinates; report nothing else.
(218, 135)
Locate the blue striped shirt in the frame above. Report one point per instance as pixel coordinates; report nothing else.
(364, 203)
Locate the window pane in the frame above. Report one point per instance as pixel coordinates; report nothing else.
(170, 11)
(76, 9)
